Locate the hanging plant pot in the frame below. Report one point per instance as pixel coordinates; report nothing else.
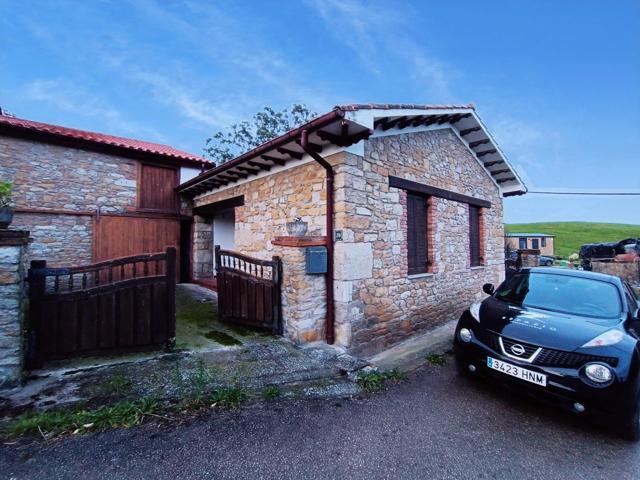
(297, 228)
(6, 216)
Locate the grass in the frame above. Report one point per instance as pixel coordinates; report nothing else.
(436, 359)
(271, 392)
(222, 338)
(121, 414)
(117, 384)
(571, 235)
(374, 380)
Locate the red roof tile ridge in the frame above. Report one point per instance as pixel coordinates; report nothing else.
(102, 138)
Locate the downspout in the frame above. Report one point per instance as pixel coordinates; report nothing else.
(304, 143)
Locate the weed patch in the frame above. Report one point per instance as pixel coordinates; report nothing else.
(270, 392)
(117, 384)
(436, 359)
(121, 414)
(373, 380)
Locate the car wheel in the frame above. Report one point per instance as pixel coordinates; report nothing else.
(462, 368)
(548, 263)
(631, 428)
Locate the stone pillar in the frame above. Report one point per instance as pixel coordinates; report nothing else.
(203, 248)
(303, 295)
(528, 258)
(12, 298)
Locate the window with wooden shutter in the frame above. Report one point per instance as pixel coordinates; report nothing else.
(474, 236)
(417, 234)
(156, 188)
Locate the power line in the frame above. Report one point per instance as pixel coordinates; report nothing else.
(541, 192)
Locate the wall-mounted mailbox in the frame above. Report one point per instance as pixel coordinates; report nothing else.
(316, 260)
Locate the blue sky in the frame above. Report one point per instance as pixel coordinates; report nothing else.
(557, 82)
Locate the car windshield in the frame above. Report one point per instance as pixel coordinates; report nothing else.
(562, 293)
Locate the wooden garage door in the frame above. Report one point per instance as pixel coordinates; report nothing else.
(116, 237)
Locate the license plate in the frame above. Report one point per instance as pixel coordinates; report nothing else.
(516, 371)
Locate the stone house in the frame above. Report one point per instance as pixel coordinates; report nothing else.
(86, 197)
(531, 241)
(406, 199)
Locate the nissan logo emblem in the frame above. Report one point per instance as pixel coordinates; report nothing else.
(517, 349)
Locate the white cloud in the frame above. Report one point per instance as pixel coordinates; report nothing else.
(71, 98)
(374, 31)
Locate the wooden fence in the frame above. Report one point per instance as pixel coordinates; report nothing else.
(125, 304)
(249, 290)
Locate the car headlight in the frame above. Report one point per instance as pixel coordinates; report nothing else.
(474, 309)
(465, 335)
(610, 337)
(598, 373)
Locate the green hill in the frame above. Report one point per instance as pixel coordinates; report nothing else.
(570, 235)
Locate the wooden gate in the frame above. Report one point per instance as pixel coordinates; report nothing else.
(249, 290)
(126, 304)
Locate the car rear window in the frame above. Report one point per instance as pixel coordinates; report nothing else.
(562, 293)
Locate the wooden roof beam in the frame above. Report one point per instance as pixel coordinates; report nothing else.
(486, 152)
(498, 172)
(262, 166)
(276, 160)
(250, 171)
(316, 147)
(492, 163)
(387, 124)
(467, 131)
(291, 153)
(504, 180)
(409, 121)
(478, 143)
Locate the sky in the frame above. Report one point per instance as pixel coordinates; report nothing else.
(556, 82)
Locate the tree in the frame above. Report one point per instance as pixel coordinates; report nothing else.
(266, 125)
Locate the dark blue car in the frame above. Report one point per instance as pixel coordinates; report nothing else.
(569, 337)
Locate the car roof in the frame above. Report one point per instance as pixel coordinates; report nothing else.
(603, 277)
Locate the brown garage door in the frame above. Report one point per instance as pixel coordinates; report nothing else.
(116, 237)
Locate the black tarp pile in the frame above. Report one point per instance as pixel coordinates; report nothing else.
(606, 251)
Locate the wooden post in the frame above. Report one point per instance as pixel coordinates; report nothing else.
(277, 295)
(171, 291)
(37, 286)
(217, 254)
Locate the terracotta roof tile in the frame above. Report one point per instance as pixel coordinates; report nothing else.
(101, 138)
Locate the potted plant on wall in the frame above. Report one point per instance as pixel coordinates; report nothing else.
(297, 228)
(6, 204)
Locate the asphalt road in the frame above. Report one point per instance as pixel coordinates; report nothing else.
(437, 425)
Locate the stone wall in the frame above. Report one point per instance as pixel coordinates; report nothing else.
(55, 177)
(12, 247)
(269, 203)
(629, 271)
(378, 303)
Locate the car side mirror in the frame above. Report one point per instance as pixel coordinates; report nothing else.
(488, 288)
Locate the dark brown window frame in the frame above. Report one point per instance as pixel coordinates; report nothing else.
(476, 258)
(418, 227)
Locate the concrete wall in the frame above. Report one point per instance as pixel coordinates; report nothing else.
(549, 249)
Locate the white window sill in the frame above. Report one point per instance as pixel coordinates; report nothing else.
(479, 267)
(419, 276)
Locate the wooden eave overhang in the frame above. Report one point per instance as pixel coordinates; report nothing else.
(349, 124)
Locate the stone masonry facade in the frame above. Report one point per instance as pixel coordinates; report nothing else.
(376, 302)
(269, 203)
(379, 304)
(12, 294)
(54, 177)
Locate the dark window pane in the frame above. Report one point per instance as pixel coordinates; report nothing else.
(474, 235)
(417, 234)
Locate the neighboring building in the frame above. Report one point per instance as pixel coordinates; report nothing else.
(87, 197)
(418, 218)
(531, 241)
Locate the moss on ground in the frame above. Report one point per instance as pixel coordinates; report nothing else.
(222, 338)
